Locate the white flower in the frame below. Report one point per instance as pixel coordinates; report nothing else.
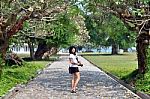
(30, 9)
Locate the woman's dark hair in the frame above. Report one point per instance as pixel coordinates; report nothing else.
(70, 50)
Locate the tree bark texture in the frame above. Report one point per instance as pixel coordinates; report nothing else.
(142, 45)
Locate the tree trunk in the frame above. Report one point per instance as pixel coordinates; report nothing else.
(141, 58)
(141, 53)
(3, 49)
(53, 50)
(31, 46)
(42, 48)
(114, 49)
(125, 49)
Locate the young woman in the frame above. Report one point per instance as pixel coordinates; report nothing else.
(73, 68)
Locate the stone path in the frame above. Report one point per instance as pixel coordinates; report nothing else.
(54, 83)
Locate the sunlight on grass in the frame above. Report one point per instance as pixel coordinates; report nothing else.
(118, 65)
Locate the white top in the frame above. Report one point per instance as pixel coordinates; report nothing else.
(73, 57)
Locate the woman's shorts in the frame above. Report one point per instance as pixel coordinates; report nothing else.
(73, 70)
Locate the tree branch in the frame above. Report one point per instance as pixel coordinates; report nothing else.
(17, 26)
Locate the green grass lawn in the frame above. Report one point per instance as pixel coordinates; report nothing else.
(118, 65)
(14, 75)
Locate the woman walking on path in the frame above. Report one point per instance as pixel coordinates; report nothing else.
(73, 68)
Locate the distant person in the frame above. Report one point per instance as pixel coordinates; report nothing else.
(73, 68)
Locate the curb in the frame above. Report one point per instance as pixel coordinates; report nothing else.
(138, 93)
(143, 95)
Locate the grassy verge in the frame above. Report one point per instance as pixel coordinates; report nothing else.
(118, 65)
(12, 76)
(122, 66)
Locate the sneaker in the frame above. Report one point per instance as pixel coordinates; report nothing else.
(73, 91)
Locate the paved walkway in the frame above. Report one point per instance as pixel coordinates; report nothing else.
(54, 83)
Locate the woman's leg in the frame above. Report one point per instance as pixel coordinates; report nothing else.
(76, 79)
(72, 81)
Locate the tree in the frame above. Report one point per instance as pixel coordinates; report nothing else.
(62, 33)
(134, 14)
(118, 34)
(15, 12)
(109, 32)
(67, 29)
(95, 32)
(59, 28)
